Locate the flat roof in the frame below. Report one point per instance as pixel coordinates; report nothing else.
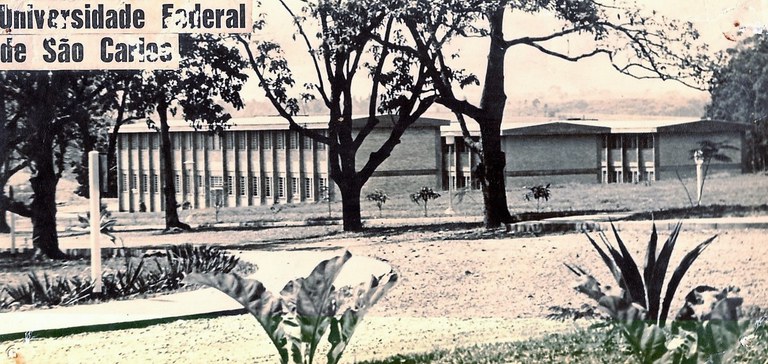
(589, 127)
(317, 122)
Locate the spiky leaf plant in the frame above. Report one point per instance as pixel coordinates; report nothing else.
(645, 290)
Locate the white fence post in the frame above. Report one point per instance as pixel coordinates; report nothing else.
(95, 219)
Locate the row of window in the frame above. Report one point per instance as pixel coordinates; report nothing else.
(631, 176)
(230, 140)
(244, 187)
(628, 141)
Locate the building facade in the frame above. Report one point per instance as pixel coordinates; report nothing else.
(592, 151)
(258, 161)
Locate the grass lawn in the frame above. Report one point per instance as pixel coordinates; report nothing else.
(743, 190)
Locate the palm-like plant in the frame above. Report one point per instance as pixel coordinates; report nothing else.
(645, 289)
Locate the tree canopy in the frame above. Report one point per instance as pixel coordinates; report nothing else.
(737, 91)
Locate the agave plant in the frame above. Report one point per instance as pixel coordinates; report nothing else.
(645, 289)
(306, 309)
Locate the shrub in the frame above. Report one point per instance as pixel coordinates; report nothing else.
(379, 197)
(538, 192)
(424, 195)
(708, 325)
(306, 309)
(135, 278)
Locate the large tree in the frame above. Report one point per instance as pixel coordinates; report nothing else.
(210, 72)
(338, 40)
(739, 93)
(639, 44)
(47, 105)
(10, 138)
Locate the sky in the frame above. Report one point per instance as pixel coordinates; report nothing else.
(532, 74)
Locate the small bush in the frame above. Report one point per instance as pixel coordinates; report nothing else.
(538, 193)
(379, 197)
(424, 195)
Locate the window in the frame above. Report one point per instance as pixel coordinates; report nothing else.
(217, 182)
(630, 141)
(618, 177)
(144, 183)
(134, 181)
(241, 141)
(295, 188)
(307, 143)
(293, 142)
(124, 182)
(645, 141)
(321, 146)
(255, 186)
(322, 186)
(267, 140)
(242, 187)
(308, 190)
(177, 183)
(614, 141)
(268, 186)
(155, 183)
(230, 140)
(199, 180)
(186, 183)
(280, 142)
(230, 185)
(254, 140)
(281, 187)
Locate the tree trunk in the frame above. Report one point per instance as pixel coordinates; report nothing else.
(169, 190)
(112, 172)
(495, 207)
(350, 202)
(492, 103)
(4, 227)
(43, 207)
(88, 144)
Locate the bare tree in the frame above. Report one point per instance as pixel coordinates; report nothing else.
(338, 49)
(638, 44)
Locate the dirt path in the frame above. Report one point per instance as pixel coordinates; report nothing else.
(451, 293)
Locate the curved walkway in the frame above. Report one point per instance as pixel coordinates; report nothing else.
(274, 270)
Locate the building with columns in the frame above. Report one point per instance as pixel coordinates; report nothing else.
(595, 151)
(258, 161)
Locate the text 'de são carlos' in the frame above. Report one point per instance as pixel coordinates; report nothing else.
(109, 34)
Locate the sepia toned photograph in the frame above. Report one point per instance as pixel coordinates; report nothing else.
(384, 181)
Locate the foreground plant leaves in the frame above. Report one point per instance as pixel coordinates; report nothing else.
(298, 318)
(262, 304)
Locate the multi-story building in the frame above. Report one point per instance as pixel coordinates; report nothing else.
(259, 161)
(603, 151)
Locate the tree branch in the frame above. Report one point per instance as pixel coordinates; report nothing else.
(312, 52)
(273, 99)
